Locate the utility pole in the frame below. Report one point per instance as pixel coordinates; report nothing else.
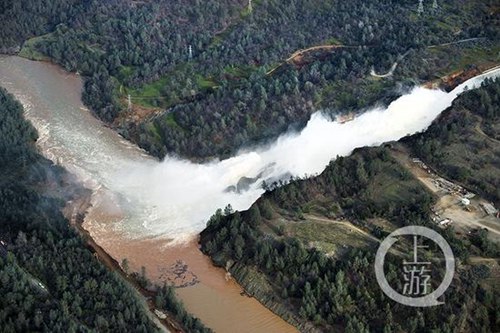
(420, 6)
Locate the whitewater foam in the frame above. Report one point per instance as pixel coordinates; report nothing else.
(174, 198)
(180, 196)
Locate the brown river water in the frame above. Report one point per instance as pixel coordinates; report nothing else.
(73, 138)
(150, 212)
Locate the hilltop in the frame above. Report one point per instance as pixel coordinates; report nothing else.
(208, 77)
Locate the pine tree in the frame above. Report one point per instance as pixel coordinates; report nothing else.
(420, 6)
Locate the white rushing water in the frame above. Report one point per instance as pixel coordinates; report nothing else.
(174, 198)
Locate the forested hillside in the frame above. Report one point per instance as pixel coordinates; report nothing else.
(306, 249)
(464, 143)
(50, 280)
(206, 77)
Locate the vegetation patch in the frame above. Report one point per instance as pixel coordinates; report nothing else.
(30, 48)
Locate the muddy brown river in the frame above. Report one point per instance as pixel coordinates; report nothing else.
(72, 137)
(150, 212)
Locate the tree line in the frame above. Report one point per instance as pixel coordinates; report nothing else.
(220, 97)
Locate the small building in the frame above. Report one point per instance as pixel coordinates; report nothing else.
(465, 201)
(489, 208)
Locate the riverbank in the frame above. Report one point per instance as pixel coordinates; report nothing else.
(102, 161)
(75, 211)
(101, 157)
(205, 290)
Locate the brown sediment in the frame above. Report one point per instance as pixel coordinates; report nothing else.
(75, 211)
(206, 291)
(451, 81)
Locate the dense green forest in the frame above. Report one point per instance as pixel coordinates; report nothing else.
(201, 73)
(50, 280)
(306, 248)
